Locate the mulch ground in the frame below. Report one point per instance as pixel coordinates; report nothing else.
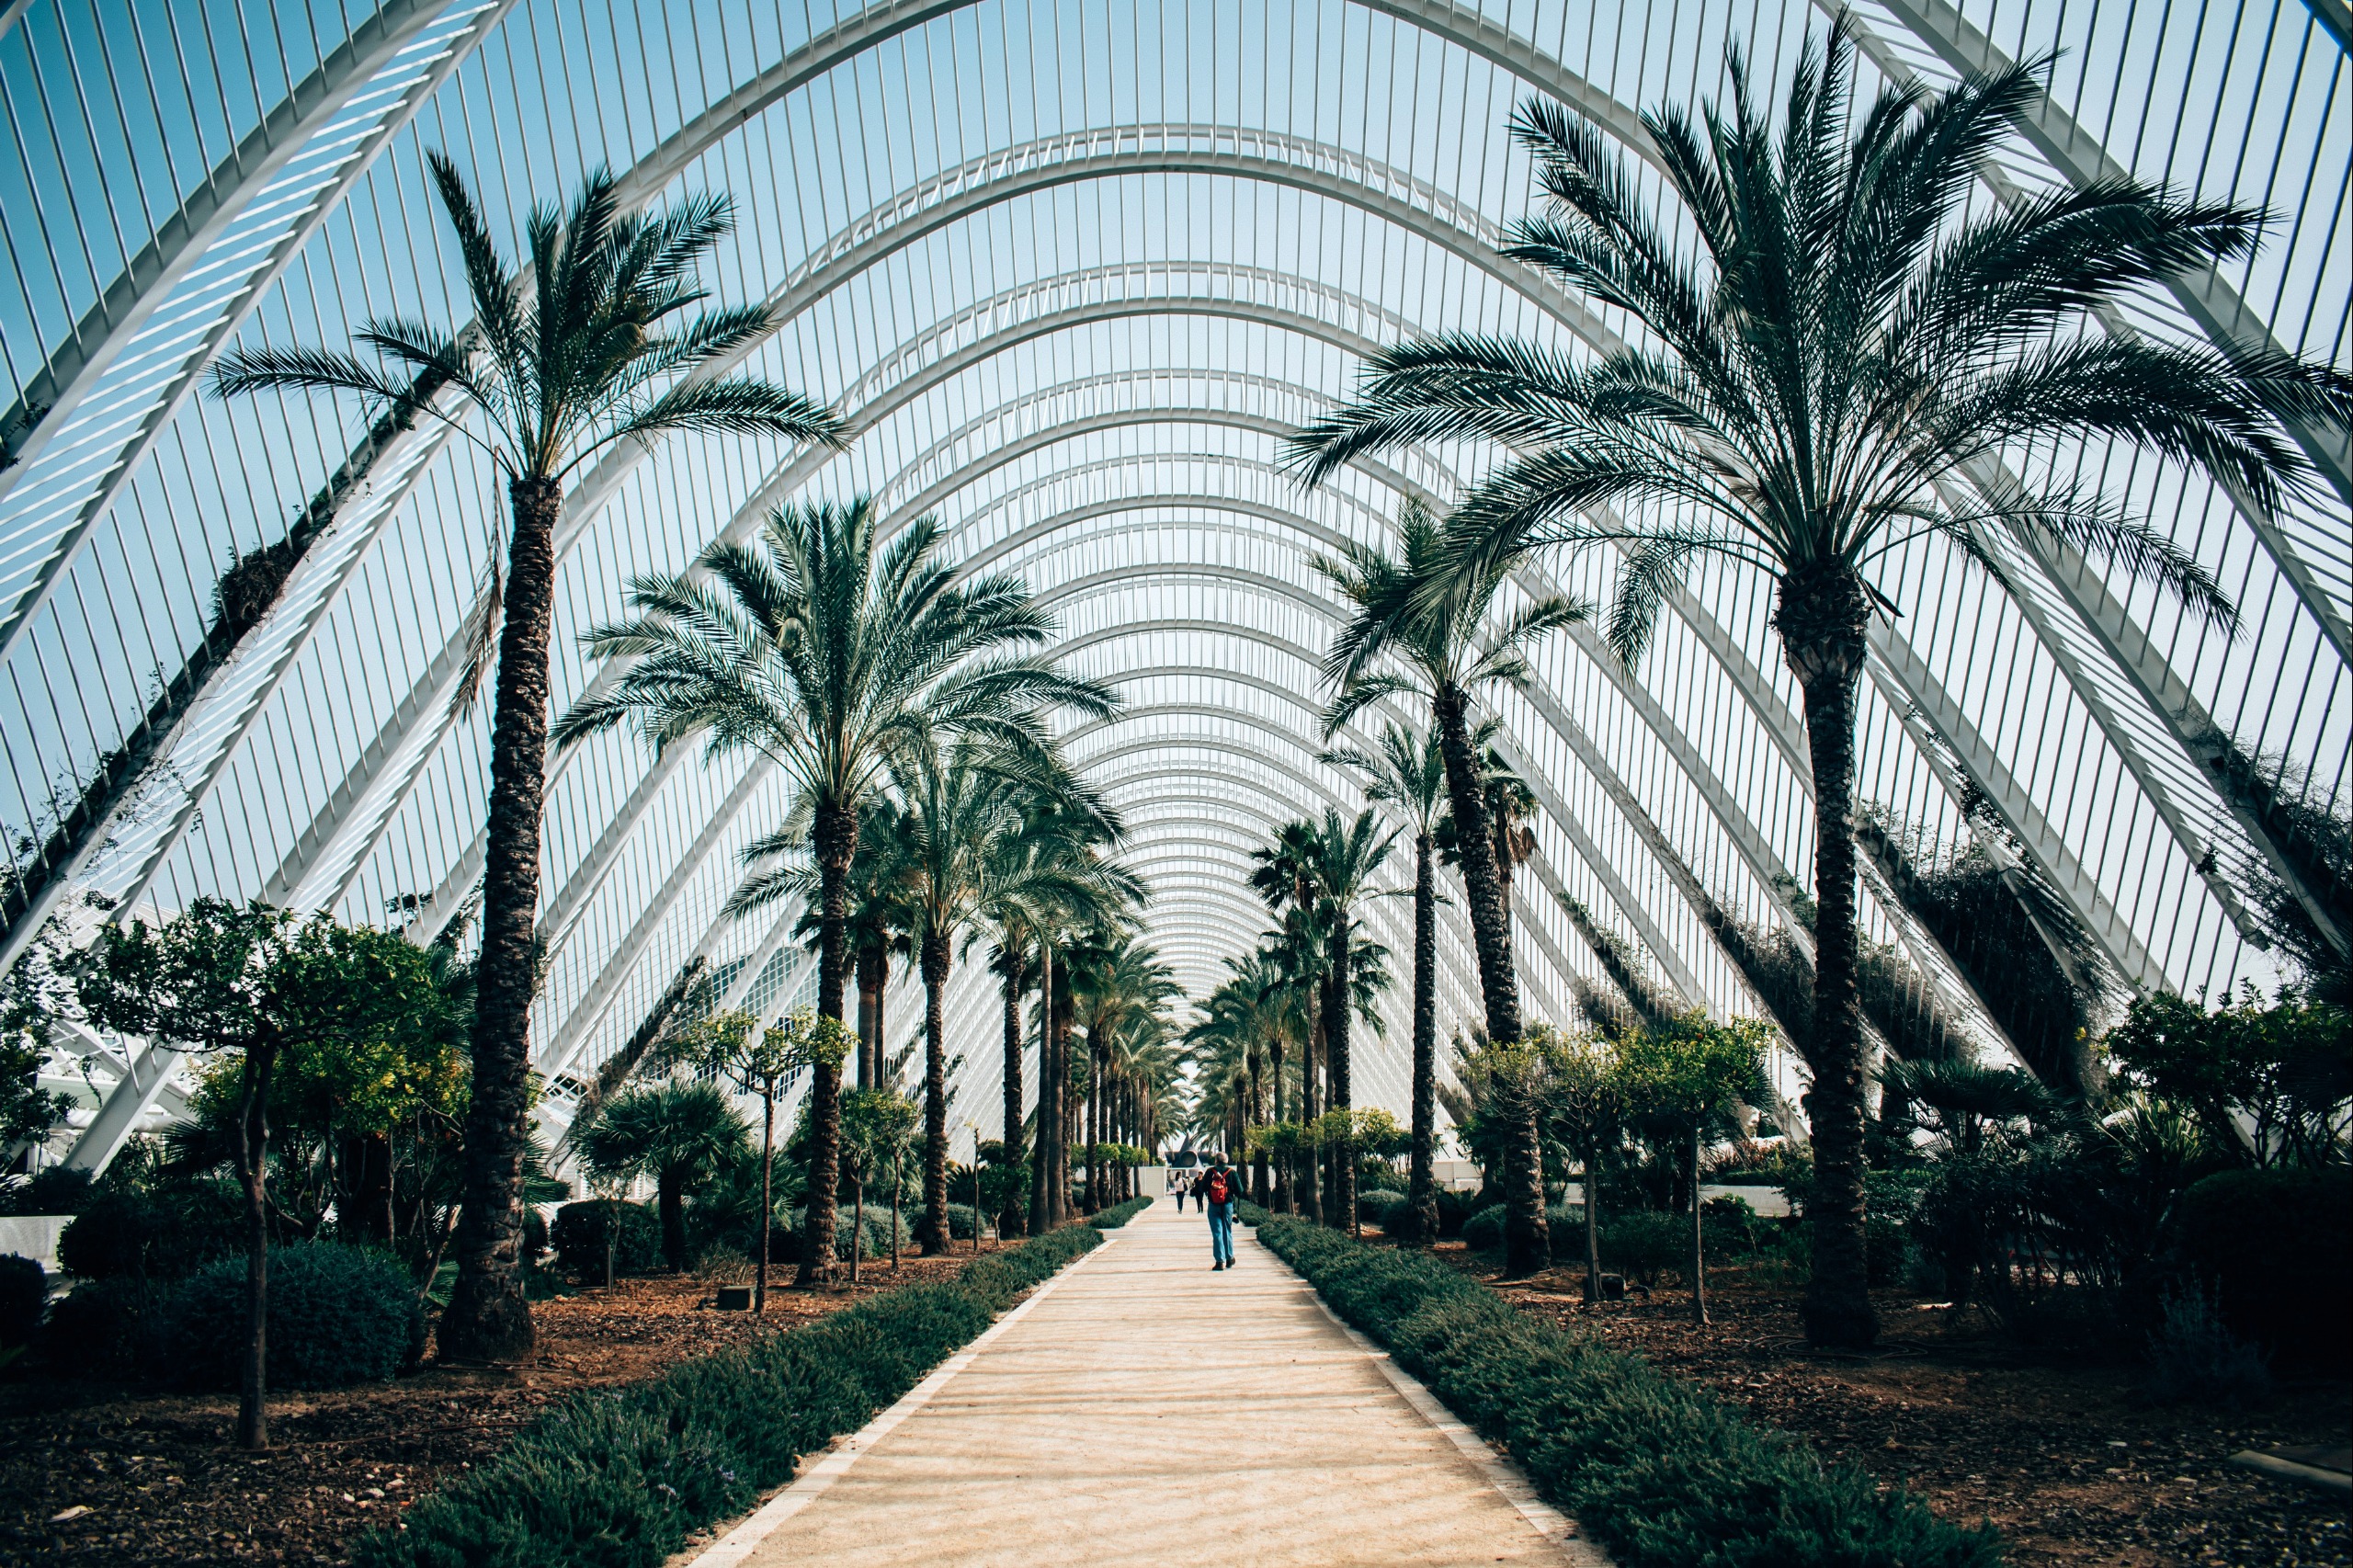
(2061, 1451)
(95, 1473)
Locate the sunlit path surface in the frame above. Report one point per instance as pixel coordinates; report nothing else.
(1149, 1411)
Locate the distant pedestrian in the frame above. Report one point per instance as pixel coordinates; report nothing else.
(1219, 1186)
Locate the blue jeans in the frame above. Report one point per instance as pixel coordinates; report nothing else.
(1222, 1231)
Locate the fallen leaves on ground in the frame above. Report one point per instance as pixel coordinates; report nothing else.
(2059, 1450)
(95, 1473)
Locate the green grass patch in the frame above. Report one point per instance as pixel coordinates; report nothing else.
(619, 1478)
(1658, 1470)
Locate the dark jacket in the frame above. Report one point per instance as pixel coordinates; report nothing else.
(1233, 1183)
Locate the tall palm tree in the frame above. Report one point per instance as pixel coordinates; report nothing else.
(879, 923)
(1834, 373)
(679, 1135)
(1405, 639)
(828, 655)
(962, 802)
(1118, 979)
(561, 362)
(1406, 772)
(1349, 855)
(1046, 876)
(1284, 876)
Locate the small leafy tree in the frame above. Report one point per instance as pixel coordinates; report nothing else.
(1509, 1081)
(1686, 1079)
(1587, 1109)
(247, 983)
(878, 1128)
(2282, 1072)
(761, 1064)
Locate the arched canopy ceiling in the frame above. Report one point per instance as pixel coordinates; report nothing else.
(1071, 272)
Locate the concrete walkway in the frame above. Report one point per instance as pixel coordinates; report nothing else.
(1142, 1409)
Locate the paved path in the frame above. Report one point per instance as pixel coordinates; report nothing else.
(1145, 1410)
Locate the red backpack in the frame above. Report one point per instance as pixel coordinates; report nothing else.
(1219, 1190)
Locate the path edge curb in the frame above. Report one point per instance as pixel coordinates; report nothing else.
(731, 1550)
(1564, 1533)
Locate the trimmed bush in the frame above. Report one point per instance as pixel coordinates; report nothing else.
(1646, 1244)
(1658, 1470)
(338, 1315)
(1377, 1205)
(131, 1236)
(620, 1477)
(55, 1189)
(878, 1232)
(578, 1237)
(2276, 1248)
(24, 1291)
(1565, 1222)
(104, 1328)
(1483, 1232)
(960, 1220)
(1119, 1214)
(1455, 1209)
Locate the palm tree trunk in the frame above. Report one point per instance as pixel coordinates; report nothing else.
(1482, 889)
(1066, 1111)
(1310, 1205)
(1093, 1113)
(1335, 1030)
(1041, 1210)
(1258, 1113)
(1822, 616)
(1527, 1239)
(935, 1232)
(834, 835)
(488, 1319)
(1421, 1190)
(1282, 1195)
(1014, 1221)
(873, 973)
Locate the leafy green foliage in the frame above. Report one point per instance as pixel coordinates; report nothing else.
(578, 1237)
(2275, 1249)
(1657, 1470)
(2285, 1069)
(338, 1315)
(127, 1234)
(617, 1479)
(105, 1327)
(24, 1290)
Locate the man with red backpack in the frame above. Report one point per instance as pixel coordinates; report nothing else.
(1221, 1186)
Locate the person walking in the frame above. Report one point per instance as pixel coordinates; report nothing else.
(1219, 1186)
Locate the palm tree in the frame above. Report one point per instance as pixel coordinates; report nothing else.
(1041, 878)
(829, 655)
(561, 363)
(962, 802)
(1838, 371)
(1405, 639)
(1117, 981)
(677, 1134)
(1406, 772)
(1349, 856)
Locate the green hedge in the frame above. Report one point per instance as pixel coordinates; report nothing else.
(620, 1477)
(1658, 1470)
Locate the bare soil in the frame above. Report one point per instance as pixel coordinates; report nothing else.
(2060, 1449)
(152, 1478)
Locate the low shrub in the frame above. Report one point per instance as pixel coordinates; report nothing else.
(961, 1221)
(1646, 1243)
(1483, 1232)
(338, 1315)
(878, 1232)
(1119, 1214)
(620, 1477)
(1564, 1228)
(578, 1237)
(24, 1292)
(53, 1189)
(2276, 1248)
(1658, 1470)
(1455, 1209)
(129, 1234)
(1379, 1206)
(2195, 1358)
(104, 1328)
